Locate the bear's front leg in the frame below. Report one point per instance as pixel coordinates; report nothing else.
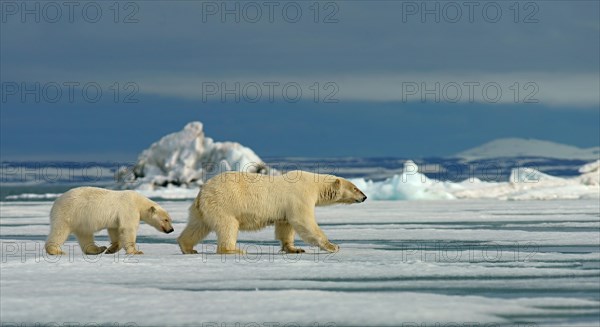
(329, 247)
(311, 233)
(127, 237)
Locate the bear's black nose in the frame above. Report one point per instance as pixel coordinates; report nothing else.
(364, 198)
(170, 231)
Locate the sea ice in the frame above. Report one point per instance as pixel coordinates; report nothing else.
(401, 263)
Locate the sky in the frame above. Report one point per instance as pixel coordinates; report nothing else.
(99, 81)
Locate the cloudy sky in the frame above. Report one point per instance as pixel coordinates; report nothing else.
(345, 78)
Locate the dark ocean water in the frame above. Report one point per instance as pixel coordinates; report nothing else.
(50, 177)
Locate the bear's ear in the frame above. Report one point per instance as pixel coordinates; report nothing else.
(152, 209)
(337, 184)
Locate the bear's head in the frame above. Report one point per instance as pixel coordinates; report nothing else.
(342, 191)
(158, 218)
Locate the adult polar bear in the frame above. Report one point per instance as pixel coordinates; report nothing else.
(86, 210)
(235, 201)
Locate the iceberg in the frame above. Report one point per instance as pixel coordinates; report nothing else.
(590, 173)
(524, 184)
(410, 185)
(517, 148)
(188, 158)
(33, 196)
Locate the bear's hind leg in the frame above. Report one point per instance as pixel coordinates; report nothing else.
(227, 232)
(86, 242)
(285, 234)
(115, 246)
(58, 235)
(194, 232)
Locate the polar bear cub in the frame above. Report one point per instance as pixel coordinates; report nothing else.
(234, 201)
(86, 210)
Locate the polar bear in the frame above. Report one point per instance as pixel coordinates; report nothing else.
(85, 210)
(235, 201)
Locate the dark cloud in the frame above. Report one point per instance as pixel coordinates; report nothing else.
(371, 48)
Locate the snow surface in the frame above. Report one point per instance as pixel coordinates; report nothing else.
(450, 263)
(517, 147)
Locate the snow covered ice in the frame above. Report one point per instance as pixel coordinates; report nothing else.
(188, 158)
(524, 184)
(467, 262)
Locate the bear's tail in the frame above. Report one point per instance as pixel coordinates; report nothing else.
(194, 211)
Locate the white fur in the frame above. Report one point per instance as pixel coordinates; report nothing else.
(235, 201)
(85, 210)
